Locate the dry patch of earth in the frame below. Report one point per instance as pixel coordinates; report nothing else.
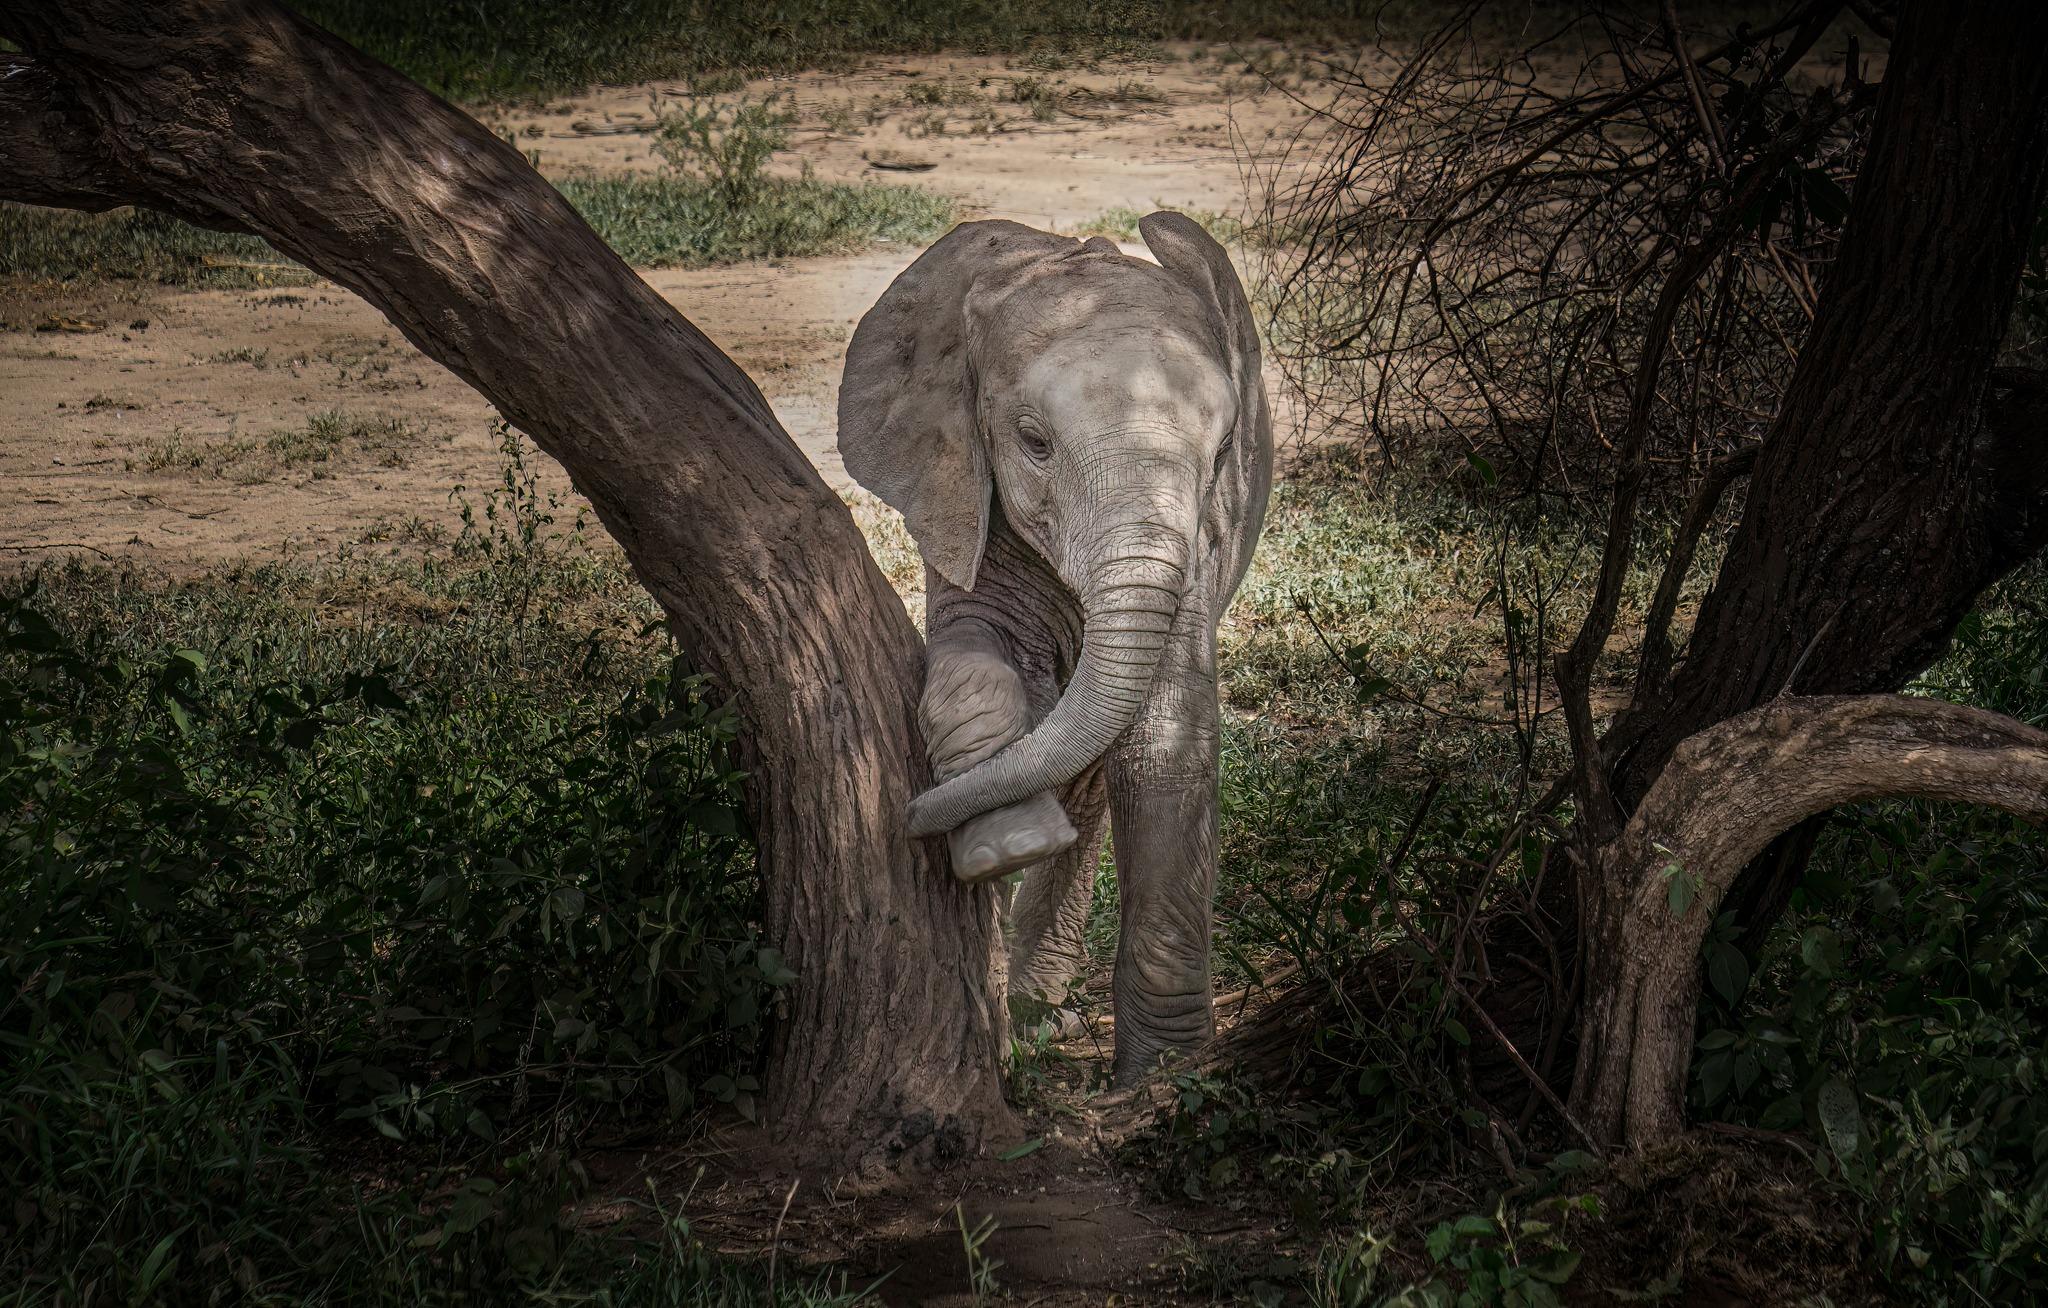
(186, 427)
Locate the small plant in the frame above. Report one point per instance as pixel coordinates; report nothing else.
(841, 118)
(981, 1268)
(1347, 1272)
(717, 81)
(1503, 1261)
(726, 147)
(1040, 95)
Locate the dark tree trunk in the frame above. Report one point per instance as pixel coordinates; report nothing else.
(235, 114)
(1900, 478)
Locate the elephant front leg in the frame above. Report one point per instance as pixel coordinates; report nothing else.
(974, 705)
(1162, 787)
(1049, 913)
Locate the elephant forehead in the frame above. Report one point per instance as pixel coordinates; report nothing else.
(1058, 296)
(1138, 366)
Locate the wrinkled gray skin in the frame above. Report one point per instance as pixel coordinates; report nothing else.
(1079, 441)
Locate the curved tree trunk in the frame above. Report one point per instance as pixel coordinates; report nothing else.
(238, 115)
(1901, 476)
(1725, 794)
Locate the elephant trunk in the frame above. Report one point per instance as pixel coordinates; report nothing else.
(1127, 607)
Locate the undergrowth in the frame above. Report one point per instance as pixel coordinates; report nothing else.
(327, 928)
(1897, 1013)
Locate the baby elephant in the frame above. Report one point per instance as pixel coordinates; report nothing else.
(1080, 443)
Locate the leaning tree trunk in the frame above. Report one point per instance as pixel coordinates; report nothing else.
(237, 115)
(1901, 476)
(1725, 794)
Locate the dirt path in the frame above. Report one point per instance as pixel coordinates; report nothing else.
(190, 427)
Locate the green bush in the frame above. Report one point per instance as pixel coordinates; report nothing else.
(273, 886)
(1898, 1012)
(725, 147)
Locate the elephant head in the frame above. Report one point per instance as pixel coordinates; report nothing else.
(1115, 407)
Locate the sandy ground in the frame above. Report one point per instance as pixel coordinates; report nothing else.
(98, 427)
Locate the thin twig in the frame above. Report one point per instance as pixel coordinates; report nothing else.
(1542, 1087)
(775, 1241)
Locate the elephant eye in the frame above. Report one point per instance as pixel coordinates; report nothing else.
(1035, 444)
(1223, 454)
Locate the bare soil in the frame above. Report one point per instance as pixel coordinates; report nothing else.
(110, 394)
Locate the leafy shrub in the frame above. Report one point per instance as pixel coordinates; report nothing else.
(1218, 1136)
(1898, 1011)
(270, 885)
(1514, 1260)
(725, 147)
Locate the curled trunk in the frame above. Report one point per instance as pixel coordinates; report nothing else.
(1126, 617)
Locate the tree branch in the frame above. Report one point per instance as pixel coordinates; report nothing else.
(48, 154)
(1726, 793)
(238, 114)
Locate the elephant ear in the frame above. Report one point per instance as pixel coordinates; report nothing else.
(907, 424)
(1194, 259)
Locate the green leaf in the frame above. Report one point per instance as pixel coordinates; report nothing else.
(1557, 1267)
(155, 1267)
(1456, 1031)
(1821, 950)
(1678, 889)
(1440, 1240)
(1840, 1117)
(1727, 971)
(1026, 1149)
(772, 967)
(1473, 1226)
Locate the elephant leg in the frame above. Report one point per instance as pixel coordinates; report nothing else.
(1162, 798)
(1049, 913)
(973, 705)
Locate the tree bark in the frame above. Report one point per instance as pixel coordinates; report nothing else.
(1899, 478)
(238, 115)
(1724, 795)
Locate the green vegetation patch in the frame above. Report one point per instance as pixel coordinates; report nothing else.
(442, 858)
(134, 244)
(328, 438)
(662, 221)
(657, 221)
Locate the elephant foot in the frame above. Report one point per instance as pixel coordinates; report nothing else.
(1005, 839)
(1054, 1024)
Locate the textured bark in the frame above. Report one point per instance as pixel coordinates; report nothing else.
(1902, 475)
(1725, 794)
(1897, 482)
(238, 115)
